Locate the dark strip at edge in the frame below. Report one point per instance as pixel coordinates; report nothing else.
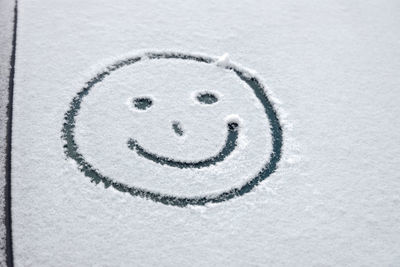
(7, 189)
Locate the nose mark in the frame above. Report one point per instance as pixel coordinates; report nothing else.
(177, 128)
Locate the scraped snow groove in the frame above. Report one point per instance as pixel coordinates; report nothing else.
(229, 146)
(234, 142)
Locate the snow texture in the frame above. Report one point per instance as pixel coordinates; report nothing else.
(102, 135)
(6, 33)
(223, 60)
(333, 69)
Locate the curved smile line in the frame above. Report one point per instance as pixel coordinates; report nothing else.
(230, 145)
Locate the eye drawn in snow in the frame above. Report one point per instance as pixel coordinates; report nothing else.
(134, 127)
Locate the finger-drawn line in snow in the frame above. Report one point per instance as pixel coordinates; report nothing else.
(71, 148)
(229, 146)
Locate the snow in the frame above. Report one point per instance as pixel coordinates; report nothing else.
(171, 83)
(331, 70)
(223, 60)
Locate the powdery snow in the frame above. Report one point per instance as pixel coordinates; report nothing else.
(223, 60)
(333, 69)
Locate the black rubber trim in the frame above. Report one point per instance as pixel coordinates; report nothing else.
(7, 189)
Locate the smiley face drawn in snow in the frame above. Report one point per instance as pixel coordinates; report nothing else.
(230, 144)
(176, 128)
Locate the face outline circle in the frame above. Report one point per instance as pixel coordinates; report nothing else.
(71, 148)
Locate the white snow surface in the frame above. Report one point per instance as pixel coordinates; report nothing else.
(333, 68)
(105, 123)
(223, 60)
